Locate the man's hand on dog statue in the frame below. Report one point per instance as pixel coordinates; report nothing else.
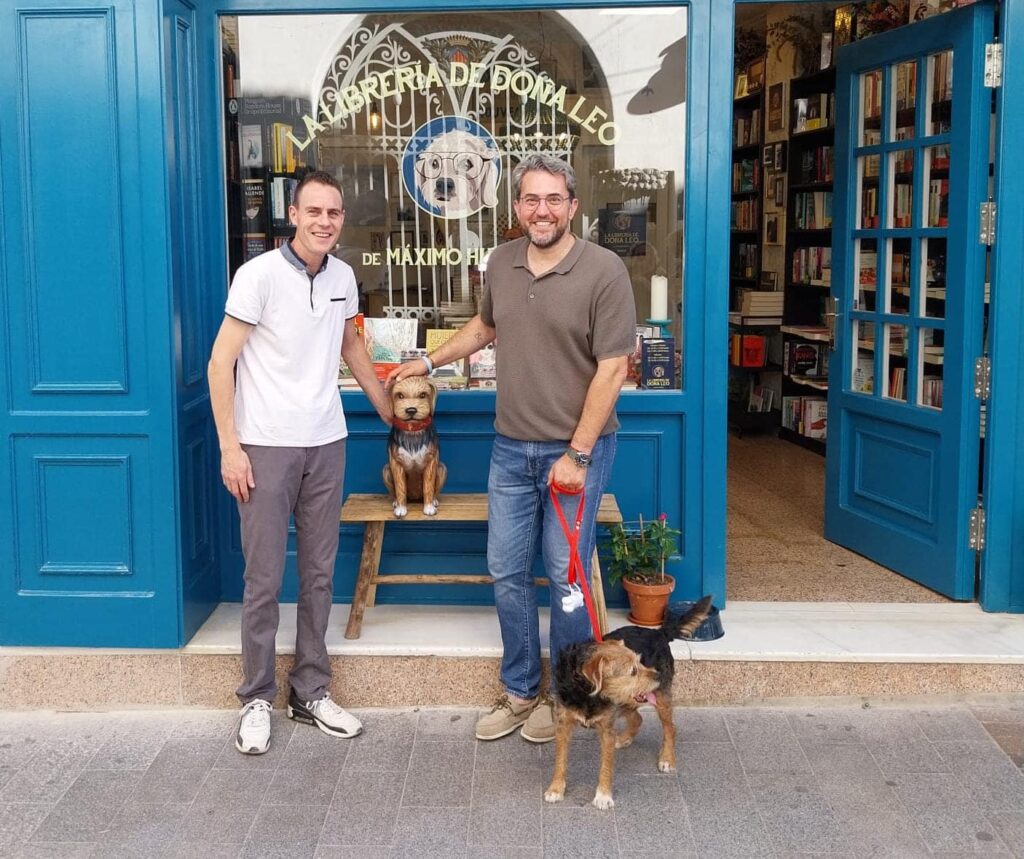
(416, 367)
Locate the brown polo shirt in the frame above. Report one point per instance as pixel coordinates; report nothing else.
(551, 332)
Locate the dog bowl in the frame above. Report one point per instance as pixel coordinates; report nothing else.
(709, 630)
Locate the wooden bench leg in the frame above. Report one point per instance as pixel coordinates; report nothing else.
(369, 565)
(597, 592)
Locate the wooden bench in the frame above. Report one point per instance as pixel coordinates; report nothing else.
(375, 512)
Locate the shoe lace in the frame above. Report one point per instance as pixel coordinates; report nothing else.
(257, 713)
(503, 703)
(327, 706)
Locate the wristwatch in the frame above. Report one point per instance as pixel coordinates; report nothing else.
(583, 460)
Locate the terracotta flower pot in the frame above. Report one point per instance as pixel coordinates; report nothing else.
(647, 603)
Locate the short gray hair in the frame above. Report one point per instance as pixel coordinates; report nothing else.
(547, 163)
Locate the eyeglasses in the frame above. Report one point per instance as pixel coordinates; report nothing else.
(430, 165)
(554, 202)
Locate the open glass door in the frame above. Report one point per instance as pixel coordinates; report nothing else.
(912, 156)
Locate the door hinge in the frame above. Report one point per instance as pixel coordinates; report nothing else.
(976, 529)
(982, 377)
(994, 64)
(987, 231)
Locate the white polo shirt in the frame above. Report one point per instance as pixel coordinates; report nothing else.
(286, 386)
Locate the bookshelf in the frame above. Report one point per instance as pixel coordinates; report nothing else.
(745, 223)
(808, 259)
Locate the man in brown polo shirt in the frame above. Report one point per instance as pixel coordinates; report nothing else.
(562, 312)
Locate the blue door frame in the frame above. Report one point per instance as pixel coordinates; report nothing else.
(672, 445)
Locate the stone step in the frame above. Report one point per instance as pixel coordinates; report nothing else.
(449, 656)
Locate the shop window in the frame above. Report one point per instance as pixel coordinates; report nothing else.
(399, 106)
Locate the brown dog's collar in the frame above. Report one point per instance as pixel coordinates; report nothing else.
(411, 426)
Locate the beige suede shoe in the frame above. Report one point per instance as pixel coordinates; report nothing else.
(504, 717)
(540, 727)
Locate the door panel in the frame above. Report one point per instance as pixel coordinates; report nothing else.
(908, 276)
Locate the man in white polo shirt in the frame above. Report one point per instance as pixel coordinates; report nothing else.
(274, 390)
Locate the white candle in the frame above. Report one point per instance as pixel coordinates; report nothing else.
(659, 296)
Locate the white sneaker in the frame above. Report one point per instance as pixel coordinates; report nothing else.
(254, 728)
(325, 714)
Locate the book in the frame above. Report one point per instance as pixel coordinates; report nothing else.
(864, 374)
(747, 350)
(805, 359)
(251, 146)
(255, 244)
(254, 203)
(657, 363)
(387, 338)
(437, 337)
(483, 363)
(814, 414)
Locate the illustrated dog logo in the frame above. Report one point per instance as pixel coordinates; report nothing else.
(451, 167)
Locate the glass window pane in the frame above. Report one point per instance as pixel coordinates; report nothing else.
(863, 365)
(897, 276)
(894, 363)
(930, 367)
(866, 273)
(933, 278)
(868, 170)
(901, 188)
(871, 108)
(935, 209)
(423, 117)
(903, 78)
(940, 92)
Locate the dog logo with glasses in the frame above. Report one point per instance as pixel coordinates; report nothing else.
(451, 167)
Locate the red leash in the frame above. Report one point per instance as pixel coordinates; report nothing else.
(576, 574)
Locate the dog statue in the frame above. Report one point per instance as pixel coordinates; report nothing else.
(596, 683)
(414, 471)
(457, 175)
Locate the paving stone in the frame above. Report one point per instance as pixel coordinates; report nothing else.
(348, 851)
(51, 770)
(649, 814)
(1010, 826)
(826, 725)
(433, 831)
(849, 774)
(288, 824)
(385, 744)
(701, 725)
(796, 815)
(278, 850)
(310, 784)
(897, 743)
(579, 833)
(133, 744)
(18, 820)
(218, 823)
(506, 810)
(203, 724)
(950, 724)
(204, 851)
(86, 809)
(364, 809)
(512, 754)
(765, 741)
(314, 749)
(230, 787)
(52, 850)
(708, 766)
(1009, 736)
(725, 822)
(440, 774)
(945, 816)
(145, 828)
(447, 724)
(178, 772)
(988, 776)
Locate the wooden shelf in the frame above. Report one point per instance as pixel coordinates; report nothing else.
(809, 382)
(806, 332)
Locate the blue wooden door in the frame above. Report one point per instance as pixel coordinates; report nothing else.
(912, 168)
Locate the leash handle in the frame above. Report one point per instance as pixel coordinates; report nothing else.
(575, 571)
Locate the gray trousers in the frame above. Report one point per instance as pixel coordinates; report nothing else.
(305, 482)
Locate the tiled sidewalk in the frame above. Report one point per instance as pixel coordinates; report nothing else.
(881, 780)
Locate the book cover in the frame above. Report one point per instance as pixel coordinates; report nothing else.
(437, 337)
(255, 244)
(815, 418)
(255, 205)
(805, 359)
(387, 338)
(657, 363)
(251, 143)
(483, 363)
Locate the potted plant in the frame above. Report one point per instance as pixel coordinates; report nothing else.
(638, 561)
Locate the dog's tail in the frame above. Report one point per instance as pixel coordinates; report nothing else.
(685, 625)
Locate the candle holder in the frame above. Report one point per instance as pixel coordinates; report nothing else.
(660, 324)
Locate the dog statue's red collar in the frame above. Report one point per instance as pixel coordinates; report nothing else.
(411, 426)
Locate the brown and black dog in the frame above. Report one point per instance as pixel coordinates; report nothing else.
(414, 471)
(597, 683)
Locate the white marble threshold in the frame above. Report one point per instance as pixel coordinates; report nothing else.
(754, 631)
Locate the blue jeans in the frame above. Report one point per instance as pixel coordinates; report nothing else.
(522, 518)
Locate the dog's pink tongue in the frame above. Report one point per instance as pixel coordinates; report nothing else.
(649, 698)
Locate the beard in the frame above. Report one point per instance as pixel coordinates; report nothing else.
(556, 234)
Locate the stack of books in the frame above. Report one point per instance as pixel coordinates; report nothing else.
(763, 307)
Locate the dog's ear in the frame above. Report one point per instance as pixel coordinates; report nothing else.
(433, 395)
(490, 184)
(593, 670)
